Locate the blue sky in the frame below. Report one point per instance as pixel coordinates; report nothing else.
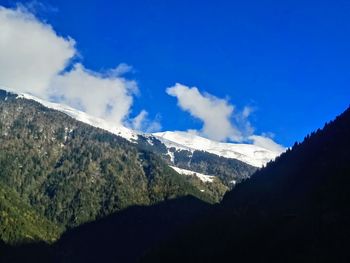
(289, 61)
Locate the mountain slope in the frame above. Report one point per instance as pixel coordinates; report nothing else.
(120, 237)
(125, 236)
(294, 210)
(21, 223)
(70, 172)
(226, 170)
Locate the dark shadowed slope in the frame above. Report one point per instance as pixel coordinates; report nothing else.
(121, 237)
(127, 235)
(297, 209)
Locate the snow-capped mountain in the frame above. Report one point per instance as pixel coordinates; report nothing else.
(179, 140)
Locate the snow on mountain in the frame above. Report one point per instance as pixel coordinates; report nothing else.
(248, 153)
(83, 117)
(203, 177)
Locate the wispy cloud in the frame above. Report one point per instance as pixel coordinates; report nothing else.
(142, 123)
(221, 120)
(35, 59)
(37, 7)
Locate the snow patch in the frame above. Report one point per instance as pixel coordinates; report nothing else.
(172, 156)
(203, 177)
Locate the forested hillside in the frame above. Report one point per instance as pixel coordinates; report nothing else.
(20, 223)
(68, 173)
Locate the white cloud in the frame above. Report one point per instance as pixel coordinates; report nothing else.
(214, 112)
(31, 53)
(220, 119)
(98, 95)
(34, 59)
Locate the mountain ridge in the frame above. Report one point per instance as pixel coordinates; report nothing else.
(248, 153)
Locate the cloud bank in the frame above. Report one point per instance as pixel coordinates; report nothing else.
(221, 121)
(34, 59)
